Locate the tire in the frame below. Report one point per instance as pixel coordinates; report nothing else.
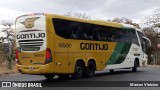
(134, 69)
(79, 71)
(63, 76)
(49, 76)
(90, 69)
(111, 71)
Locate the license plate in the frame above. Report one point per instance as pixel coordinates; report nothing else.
(31, 68)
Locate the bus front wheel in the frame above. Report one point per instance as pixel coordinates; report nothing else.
(134, 69)
(49, 76)
(112, 71)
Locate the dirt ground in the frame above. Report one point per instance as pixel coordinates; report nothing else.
(4, 71)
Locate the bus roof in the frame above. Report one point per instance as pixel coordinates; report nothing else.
(104, 23)
(123, 24)
(98, 22)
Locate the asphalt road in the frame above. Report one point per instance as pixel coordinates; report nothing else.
(143, 74)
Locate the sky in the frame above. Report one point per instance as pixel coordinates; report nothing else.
(135, 10)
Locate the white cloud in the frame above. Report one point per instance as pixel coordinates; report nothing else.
(147, 11)
(97, 9)
(9, 14)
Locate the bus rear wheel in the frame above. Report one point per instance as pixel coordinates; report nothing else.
(90, 69)
(49, 76)
(79, 70)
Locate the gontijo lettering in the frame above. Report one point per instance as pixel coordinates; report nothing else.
(93, 46)
(31, 35)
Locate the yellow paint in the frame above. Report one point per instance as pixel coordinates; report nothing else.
(64, 59)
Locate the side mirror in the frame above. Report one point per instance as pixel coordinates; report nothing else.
(147, 42)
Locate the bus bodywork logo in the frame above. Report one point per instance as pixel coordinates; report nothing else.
(29, 22)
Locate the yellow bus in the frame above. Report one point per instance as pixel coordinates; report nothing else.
(50, 44)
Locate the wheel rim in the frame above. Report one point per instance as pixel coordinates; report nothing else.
(79, 70)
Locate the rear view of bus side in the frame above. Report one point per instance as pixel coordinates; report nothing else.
(49, 45)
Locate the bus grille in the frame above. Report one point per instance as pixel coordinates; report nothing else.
(31, 43)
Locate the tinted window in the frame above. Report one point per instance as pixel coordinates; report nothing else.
(133, 37)
(123, 35)
(65, 28)
(85, 31)
(102, 33)
(113, 34)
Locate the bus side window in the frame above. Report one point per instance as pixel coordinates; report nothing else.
(74, 34)
(124, 35)
(84, 36)
(90, 37)
(114, 36)
(96, 30)
(103, 33)
(87, 32)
